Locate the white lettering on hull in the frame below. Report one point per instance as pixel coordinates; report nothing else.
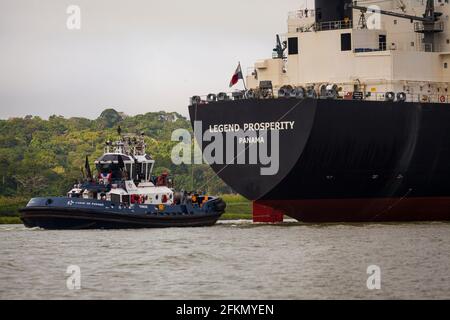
(259, 126)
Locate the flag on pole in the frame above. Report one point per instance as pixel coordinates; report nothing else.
(237, 76)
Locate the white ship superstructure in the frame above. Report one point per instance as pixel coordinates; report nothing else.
(381, 50)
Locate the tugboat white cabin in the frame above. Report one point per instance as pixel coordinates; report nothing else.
(125, 176)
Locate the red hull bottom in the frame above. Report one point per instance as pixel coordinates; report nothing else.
(353, 210)
(263, 213)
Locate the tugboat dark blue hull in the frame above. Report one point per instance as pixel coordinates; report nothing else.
(80, 214)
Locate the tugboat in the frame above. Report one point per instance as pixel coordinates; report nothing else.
(124, 195)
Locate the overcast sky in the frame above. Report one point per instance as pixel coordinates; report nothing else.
(136, 55)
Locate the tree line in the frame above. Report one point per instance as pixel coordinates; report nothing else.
(40, 157)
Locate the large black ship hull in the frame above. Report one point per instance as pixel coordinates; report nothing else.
(344, 160)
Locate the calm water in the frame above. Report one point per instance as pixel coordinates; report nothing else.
(229, 261)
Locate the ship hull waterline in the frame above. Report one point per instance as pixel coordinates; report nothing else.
(344, 160)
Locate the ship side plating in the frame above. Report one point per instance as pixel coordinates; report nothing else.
(366, 85)
(347, 160)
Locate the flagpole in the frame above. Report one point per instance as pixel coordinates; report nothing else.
(243, 79)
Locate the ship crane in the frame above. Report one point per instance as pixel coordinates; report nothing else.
(429, 24)
(280, 49)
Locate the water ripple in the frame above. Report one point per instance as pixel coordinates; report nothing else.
(233, 260)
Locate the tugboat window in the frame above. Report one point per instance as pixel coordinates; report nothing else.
(115, 198)
(126, 199)
(293, 46)
(346, 42)
(110, 168)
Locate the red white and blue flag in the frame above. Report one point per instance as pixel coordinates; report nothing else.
(106, 177)
(237, 76)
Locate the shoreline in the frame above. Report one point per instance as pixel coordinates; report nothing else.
(225, 217)
(10, 220)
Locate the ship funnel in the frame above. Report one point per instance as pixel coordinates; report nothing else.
(330, 11)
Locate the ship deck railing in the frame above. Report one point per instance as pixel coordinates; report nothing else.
(410, 97)
(302, 14)
(333, 25)
(442, 98)
(430, 27)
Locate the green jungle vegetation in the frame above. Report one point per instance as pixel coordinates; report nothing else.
(40, 157)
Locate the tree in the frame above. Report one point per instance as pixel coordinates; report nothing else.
(31, 184)
(44, 157)
(109, 118)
